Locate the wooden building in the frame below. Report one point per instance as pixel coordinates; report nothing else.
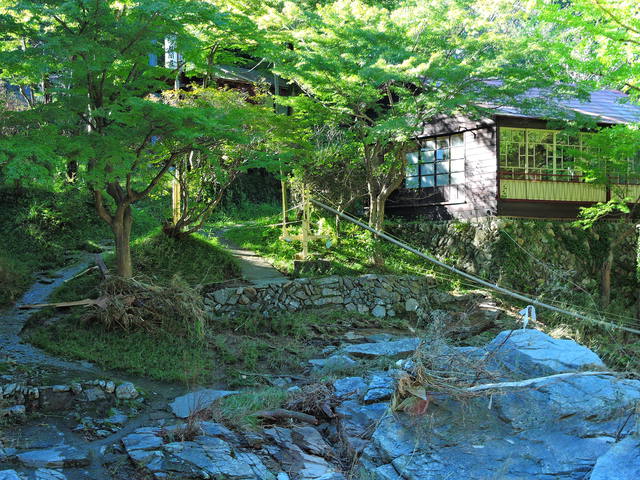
(509, 164)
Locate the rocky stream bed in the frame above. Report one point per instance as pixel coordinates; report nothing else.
(575, 420)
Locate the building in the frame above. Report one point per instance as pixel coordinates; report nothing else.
(510, 164)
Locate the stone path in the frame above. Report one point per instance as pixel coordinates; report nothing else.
(12, 320)
(254, 268)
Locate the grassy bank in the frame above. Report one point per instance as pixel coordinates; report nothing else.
(240, 351)
(349, 249)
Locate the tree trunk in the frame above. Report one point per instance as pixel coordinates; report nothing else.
(376, 220)
(605, 279)
(121, 227)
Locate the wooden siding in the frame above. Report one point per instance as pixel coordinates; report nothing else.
(477, 197)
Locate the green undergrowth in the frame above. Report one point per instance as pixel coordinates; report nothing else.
(41, 228)
(246, 213)
(236, 411)
(349, 250)
(241, 351)
(196, 259)
(160, 356)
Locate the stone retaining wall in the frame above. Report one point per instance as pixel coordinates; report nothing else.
(379, 295)
(22, 398)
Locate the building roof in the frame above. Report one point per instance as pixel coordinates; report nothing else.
(605, 106)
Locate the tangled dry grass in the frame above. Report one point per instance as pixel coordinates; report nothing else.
(438, 369)
(315, 399)
(130, 304)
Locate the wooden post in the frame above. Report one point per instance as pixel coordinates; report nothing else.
(175, 198)
(306, 210)
(283, 183)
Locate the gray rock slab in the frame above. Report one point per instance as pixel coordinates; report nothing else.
(379, 337)
(359, 421)
(535, 353)
(193, 402)
(621, 462)
(214, 458)
(117, 419)
(381, 387)
(213, 429)
(57, 457)
(390, 349)
(48, 474)
(349, 387)
(9, 475)
(332, 476)
(310, 440)
(142, 441)
(334, 362)
(260, 471)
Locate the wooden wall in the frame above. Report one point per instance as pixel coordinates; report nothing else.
(480, 194)
(477, 197)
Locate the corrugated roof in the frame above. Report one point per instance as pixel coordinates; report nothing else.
(606, 106)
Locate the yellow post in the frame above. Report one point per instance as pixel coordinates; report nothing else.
(175, 199)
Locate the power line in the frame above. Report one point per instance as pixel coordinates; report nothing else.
(468, 276)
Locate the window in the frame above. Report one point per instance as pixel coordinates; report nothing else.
(536, 154)
(439, 162)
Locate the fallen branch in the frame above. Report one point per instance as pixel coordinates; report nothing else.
(282, 413)
(90, 269)
(87, 302)
(531, 381)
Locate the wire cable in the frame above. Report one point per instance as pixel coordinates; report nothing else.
(473, 278)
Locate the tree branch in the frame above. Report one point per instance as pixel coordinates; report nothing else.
(102, 211)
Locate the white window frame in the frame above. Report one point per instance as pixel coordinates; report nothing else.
(424, 168)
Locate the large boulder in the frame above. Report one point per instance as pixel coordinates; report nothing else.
(559, 428)
(535, 353)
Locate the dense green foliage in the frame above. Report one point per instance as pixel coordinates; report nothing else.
(89, 123)
(39, 229)
(100, 115)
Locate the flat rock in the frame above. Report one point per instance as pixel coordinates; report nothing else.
(193, 402)
(142, 441)
(381, 387)
(621, 462)
(9, 475)
(358, 421)
(560, 429)
(334, 362)
(57, 457)
(310, 440)
(394, 348)
(349, 387)
(48, 474)
(536, 354)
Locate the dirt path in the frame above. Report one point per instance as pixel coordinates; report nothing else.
(254, 268)
(13, 320)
